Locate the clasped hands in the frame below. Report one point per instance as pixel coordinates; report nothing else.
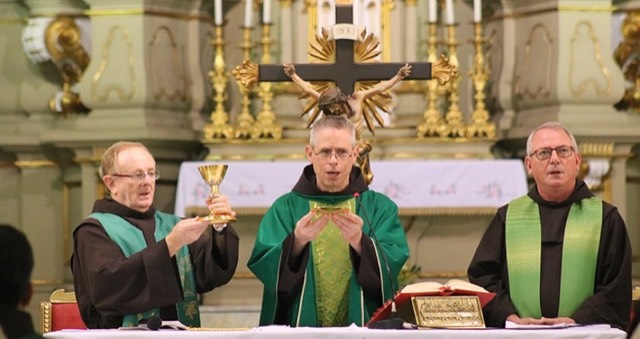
(514, 318)
(187, 231)
(312, 223)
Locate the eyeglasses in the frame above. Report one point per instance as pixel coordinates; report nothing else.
(340, 153)
(140, 176)
(544, 153)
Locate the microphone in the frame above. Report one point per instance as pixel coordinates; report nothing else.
(153, 322)
(393, 322)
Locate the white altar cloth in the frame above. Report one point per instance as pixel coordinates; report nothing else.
(412, 184)
(281, 332)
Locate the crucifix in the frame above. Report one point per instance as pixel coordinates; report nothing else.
(345, 70)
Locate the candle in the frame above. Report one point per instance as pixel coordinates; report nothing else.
(248, 11)
(217, 12)
(449, 12)
(266, 12)
(433, 11)
(477, 10)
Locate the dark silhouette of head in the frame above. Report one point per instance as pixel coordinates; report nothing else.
(333, 102)
(16, 264)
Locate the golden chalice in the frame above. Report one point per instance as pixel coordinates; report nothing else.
(213, 175)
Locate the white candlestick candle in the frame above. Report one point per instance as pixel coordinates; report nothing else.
(248, 12)
(433, 11)
(449, 12)
(266, 12)
(217, 12)
(477, 10)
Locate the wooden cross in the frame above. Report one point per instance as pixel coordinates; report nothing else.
(345, 72)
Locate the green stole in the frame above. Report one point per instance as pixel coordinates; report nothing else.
(579, 255)
(332, 270)
(131, 241)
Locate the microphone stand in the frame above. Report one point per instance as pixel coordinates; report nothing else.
(393, 322)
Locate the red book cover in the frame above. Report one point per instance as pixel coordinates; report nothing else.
(430, 288)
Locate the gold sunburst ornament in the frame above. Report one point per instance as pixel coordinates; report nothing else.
(323, 50)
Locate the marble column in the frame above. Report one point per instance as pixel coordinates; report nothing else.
(26, 87)
(145, 57)
(563, 69)
(286, 30)
(412, 30)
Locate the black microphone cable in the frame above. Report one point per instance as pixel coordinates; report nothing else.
(393, 322)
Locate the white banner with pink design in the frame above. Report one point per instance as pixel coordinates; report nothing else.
(412, 184)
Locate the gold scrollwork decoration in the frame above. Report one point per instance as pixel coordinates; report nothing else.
(627, 56)
(443, 71)
(64, 44)
(246, 73)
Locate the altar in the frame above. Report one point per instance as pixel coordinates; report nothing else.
(283, 332)
(419, 187)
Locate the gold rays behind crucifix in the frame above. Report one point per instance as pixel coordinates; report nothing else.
(323, 49)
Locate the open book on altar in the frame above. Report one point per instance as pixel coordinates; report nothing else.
(453, 287)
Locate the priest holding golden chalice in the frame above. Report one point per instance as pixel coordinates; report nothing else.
(162, 261)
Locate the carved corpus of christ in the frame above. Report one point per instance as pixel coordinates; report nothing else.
(346, 56)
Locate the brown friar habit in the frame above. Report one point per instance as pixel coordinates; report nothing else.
(109, 286)
(611, 300)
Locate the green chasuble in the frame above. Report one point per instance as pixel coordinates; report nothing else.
(312, 306)
(131, 241)
(579, 255)
(332, 268)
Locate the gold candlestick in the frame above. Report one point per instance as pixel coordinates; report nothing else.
(480, 125)
(266, 126)
(455, 126)
(245, 121)
(432, 123)
(219, 128)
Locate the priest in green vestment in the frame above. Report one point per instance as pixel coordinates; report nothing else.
(328, 251)
(558, 254)
(132, 262)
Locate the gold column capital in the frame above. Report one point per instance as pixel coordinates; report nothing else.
(286, 3)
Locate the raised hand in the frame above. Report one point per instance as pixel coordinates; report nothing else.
(404, 71)
(185, 232)
(309, 226)
(350, 226)
(289, 69)
(307, 229)
(220, 205)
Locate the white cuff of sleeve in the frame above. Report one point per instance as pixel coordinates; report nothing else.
(219, 228)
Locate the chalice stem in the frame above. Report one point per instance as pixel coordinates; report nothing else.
(215, 192)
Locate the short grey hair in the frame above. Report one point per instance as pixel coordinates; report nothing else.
(551, 125)
(334, 122)
(110, 156)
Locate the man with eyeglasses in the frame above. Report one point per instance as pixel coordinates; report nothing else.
(132, 262)
(314, 252)
(558, 254)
